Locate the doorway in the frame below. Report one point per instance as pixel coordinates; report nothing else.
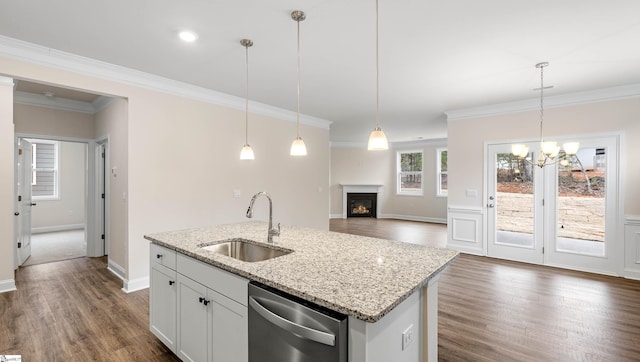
(55, 178)
(562, 215)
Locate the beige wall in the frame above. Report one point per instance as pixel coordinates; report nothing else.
(351, 165)
(467, 139)
(69, 209)
(183, 163)
(111, 123)
(52, 122)
(6, 184)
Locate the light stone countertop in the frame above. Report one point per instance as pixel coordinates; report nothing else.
(360, 276)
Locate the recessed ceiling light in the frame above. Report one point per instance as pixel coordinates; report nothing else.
(188, 36)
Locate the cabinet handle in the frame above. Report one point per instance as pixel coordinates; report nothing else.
(206, 302)
(201, 299)
(158, 256)
(171, 282)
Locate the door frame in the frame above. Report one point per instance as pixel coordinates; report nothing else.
(94, 246)
(617, 247)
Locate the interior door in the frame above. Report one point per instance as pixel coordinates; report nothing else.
(514, 206)
(25, 201)
(583, 208)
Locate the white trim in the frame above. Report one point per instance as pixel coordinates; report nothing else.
(135, 284)
(465, 230)
(8, 81)
(39, 55)
(562, 100)
(50, 229)
(7, 285)
(429, 142)
(435, 220)
(116, 269)
(63, 104)
(632, 220)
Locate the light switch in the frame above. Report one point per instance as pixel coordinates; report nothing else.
(236, 194)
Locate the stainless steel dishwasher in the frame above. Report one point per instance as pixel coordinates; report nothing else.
(284, 328)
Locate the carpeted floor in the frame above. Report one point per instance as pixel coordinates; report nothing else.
(56, 246)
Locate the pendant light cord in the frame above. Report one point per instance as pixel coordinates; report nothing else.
(246, 113)
(541, 99)
(298, 99)
(377, 71)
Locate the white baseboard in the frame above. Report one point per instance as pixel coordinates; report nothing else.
(413, 218)
(128, 286)
(50, 229)
(7, 285)
(117, 270)
(632, 274)
(136, 284)
(401, 217)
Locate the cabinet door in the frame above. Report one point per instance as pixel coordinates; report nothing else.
(162, 305)
(229, 336)
(193, 320)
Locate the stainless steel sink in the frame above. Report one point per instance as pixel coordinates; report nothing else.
(245, 250)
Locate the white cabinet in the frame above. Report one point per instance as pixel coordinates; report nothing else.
(197, 310)
(211, 327)
(163, 296)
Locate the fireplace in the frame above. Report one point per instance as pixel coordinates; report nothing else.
(361, 204)
(365, 200)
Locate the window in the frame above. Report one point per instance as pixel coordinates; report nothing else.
(442, 171)
(45, 170)
(410, 173)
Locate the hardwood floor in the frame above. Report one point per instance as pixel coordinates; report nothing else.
(489, 310)
(75, 310)
(496, 310)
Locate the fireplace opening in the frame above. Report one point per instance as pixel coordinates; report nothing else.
(361, 204)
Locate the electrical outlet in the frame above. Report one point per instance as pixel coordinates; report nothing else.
(407, 337)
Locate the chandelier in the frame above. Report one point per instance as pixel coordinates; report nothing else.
(549, 150)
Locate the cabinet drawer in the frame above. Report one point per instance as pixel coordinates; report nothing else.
(228, 284)
(163, 256)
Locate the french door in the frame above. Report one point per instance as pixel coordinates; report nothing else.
(560, 215)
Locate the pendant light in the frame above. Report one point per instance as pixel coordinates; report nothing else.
(549, 150)
(298, 147)
(377, 139)
(247, 151)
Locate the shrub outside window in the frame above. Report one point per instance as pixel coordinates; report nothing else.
(409, 173)
(442, 171)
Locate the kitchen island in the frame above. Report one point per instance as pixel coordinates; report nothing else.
(387, 288)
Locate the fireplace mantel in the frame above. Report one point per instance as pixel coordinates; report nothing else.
(363, 188)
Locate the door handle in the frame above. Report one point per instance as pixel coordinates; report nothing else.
(33, 204)
(294, 328)
(16, 213)
(490, 206)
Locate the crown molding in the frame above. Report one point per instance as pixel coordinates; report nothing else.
(562, 100)
(63, 104)
(403, 144)
(39, 55)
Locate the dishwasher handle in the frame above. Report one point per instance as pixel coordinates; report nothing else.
(299, 330)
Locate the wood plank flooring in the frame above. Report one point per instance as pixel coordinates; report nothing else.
(489, 310)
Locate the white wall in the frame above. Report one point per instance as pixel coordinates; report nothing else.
(69, 209)
(6, 185)
(45, 121)
(467, 139)
(352, 165)
(183, 164)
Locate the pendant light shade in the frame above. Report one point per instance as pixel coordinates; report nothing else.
(298, 147)
(247, 152)
(377, 139)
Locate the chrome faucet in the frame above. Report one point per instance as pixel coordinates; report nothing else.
(272, 232)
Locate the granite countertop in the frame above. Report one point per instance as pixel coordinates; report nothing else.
(360, 276)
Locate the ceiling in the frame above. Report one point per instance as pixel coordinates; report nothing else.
(434, 55)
